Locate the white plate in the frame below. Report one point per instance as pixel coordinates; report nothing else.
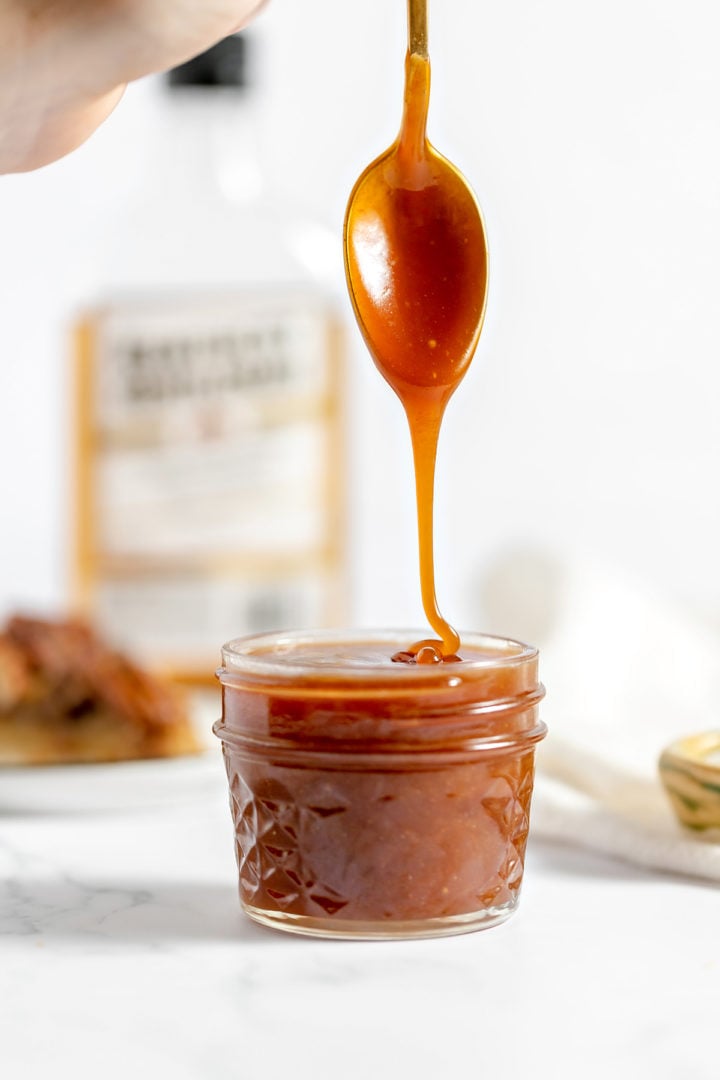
(124, 785)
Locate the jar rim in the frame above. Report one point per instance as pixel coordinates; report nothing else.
(273, 656)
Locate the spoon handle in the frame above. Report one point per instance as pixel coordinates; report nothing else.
(418, 28)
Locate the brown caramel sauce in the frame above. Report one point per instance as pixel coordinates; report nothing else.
(416, 262)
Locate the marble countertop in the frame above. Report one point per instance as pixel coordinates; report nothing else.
(123, 952)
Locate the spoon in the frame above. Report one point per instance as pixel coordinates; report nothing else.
(416, 265)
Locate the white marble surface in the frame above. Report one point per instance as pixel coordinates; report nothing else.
(123, 953)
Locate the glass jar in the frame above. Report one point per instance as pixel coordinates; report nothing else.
(377, 799)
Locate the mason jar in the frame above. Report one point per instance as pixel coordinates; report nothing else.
(377, 799)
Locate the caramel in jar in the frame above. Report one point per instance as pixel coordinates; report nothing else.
(373, 799)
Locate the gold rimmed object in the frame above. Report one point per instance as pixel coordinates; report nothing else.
(690, 772)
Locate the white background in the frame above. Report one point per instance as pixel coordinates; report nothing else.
(588, 423)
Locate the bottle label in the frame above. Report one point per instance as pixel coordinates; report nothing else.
(181, 621)
(210, 459)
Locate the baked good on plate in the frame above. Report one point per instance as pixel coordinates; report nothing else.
(65, 696)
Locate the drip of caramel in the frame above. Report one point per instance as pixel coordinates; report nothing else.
(416, 262)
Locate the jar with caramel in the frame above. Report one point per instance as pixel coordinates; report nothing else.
(377, 799)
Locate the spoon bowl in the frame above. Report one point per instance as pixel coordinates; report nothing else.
(416, 256)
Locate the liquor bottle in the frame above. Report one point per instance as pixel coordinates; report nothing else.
(209, 373)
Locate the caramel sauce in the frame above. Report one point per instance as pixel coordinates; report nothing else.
(368, 800)
(372, 796)
(416, 262)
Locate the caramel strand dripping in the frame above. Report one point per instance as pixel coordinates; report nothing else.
(416, 262)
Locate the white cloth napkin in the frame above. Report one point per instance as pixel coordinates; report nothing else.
(581, 799)
(626, 674)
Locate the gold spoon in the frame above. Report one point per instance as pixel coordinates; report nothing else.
(416, 265)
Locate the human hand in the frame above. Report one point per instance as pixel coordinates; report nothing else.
(65, 63)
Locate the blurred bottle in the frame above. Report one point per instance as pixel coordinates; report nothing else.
(210, 464)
